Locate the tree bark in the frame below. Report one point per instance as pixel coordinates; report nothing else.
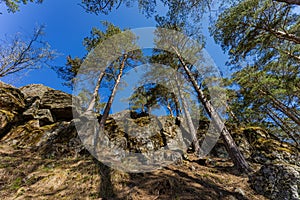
(95, 93)
(294, 2)
(282, 125)
(170, 109)
(109, 103)
(284, 35)
(113, 93)
(280, 106)
(189, 120)
(234, 153)
(233, 115)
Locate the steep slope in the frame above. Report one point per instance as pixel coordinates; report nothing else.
(42, 157)
(25, 175)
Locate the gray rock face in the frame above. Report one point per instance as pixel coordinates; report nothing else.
(277, 181)
(34, 90)
(43, 115)
(59, 103)
(35, 116)
(145, 134)
(41, 97)
(44, 121)
(259, 147)
(40, 117)
(59, 141)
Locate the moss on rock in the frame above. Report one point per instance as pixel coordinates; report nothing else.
(26, 135)
(6, 121)
(11, 99)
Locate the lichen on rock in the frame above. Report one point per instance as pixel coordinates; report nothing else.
(277, 181)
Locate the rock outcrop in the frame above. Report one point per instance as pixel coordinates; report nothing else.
(277, 181)
(258, 146)
(42, 99)
(40, 118)
(278, 177)
(12, 102)
(37, 117)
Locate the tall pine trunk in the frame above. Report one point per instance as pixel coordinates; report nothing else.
(234, 153)
(109, 102)
(95, 93)
(189, 120)
(113, 93)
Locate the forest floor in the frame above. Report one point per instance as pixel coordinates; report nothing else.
(26, 175)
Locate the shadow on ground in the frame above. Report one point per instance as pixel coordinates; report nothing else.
(26, 175)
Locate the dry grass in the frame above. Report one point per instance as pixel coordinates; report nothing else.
(24, 175)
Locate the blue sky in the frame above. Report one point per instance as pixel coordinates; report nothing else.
(66, 26)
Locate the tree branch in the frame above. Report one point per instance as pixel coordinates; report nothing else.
(293, 2)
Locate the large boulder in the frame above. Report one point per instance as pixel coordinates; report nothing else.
(43, 115)
(34, 91)
(59, 140)
(32, 115)
(41, 97)
(140, 140)
(59, 103)
(262, 147)
(145, 134)
(277, 181)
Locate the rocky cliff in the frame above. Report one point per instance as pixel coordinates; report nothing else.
(39, 119)
(36, 116)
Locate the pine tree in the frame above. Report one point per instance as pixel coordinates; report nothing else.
(186, 49)
(265, 36)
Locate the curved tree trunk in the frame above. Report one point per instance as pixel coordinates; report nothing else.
(234, 153)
